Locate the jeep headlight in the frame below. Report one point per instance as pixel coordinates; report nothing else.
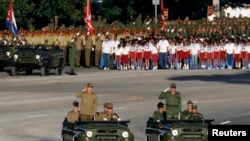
(174, 132)
(15, 56)
(89, 134)
(38, 57)
(125, 134)
(8, 53)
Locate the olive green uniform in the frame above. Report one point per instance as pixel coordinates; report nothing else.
(72, 56)
(159, 116)
(88, 105)
(173, 104)
(88, 51)
(185, 114)
(113, 116)
(73, 116)
(196, 116)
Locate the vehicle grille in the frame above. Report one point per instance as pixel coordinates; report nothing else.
(106, 131)
(152, 137)
(107, 138)
(190, 136)
(192, 130)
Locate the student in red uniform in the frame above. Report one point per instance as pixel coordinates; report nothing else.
(179, 54)
(209, 55)
(132, 54)
(243, 54)
(146, 54)
(222, 54)
(216, 55)
(125, 52)
(118, 55)
(186, 54)
(236, 54)
(154, 53)
(139, 51)
(202, 55)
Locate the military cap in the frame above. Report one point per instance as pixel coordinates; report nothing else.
(189, 102)
(109, 105)
(90, 85)
(194, 106)
(172, 84)
(160, 104)
(75, 104)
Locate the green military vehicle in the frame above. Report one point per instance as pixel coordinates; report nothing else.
(4, 56)
(43, 58)
(177, 130)
(97, 131)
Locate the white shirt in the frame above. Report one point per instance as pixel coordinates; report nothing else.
(125, 50)
(195, 48)
(237, 49)
(153, 48)
(162, 46)
(106, 46)
(118, 51)
(229, 48)
(248, 48)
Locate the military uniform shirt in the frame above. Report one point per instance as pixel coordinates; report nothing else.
(88, 103)
(73, 116)
(159, 116)
(173, 103)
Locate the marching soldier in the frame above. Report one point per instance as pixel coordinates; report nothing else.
(79, 44)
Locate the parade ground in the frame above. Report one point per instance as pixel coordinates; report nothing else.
(33, 107)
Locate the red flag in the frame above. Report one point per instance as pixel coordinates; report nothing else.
(88, 18)
(162, 10)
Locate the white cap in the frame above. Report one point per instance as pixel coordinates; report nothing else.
(78, 33)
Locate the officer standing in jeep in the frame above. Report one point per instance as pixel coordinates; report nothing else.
(173, 101)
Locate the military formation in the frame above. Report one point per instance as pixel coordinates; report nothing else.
(223, 43)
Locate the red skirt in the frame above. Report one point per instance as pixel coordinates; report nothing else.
(173, 58)
(139, 55)
(186, 55)
(236, 57)
(155, 57)
(243, 54)
(222, 54)
(118, 59)
(209, 55)
(146, 54)
(125, 59)
(202, 55)
(179, 53)
(132, 54)
(216, 55)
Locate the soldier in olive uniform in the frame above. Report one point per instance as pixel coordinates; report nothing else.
(79, 44)
(110, 115)
(98, 49)
(89, 102)
(195, 115)
(88, 48)
(74, 115)
(188, 111)
(173, 101)
(72, 56)
(160, 114)
(101, 115)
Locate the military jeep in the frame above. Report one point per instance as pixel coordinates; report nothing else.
(96, 131)
(4, 57)
(177, 130)
(43, 58)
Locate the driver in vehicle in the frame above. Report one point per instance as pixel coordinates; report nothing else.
(110, 115)
(195, 115)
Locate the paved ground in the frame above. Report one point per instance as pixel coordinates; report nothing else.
(32, 107)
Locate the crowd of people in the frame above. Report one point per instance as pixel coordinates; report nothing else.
(182, 44)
